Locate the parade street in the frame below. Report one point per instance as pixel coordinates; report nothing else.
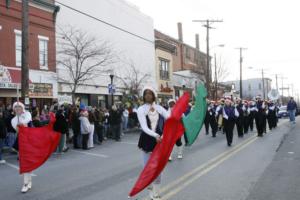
(253, 168)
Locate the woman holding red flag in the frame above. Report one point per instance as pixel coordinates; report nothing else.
(22, 118)
(151, 118)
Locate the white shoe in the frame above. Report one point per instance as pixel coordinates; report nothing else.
(29, 185)
(170, 158)
(2, 161)
(151, 194)
(25, 188)
(156, 193)
(180, 152)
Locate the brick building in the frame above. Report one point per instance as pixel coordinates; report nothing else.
(185, 57)
(187, 63)
(42, 52)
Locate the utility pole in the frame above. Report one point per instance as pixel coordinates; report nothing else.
(25, 47)
(216, 79)
(208, 68)
(241, 70)
(276, 82)
(263, 83)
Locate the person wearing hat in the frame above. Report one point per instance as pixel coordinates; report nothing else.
(210, 119)
(179, 144)
(151, 117)
(22, 118)
(253, 111)
(85, 128)
(230, 114)
(272, 121)
(240, 119)
(219, 115)
(246, 113)
(260, 116)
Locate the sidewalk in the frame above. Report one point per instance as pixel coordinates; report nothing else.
(281, 180)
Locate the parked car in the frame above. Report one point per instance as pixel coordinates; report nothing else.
(282, 113)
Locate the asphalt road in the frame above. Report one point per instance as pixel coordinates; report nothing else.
(253, 168)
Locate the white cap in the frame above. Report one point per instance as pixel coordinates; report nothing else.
(171, 100)
(151, 89)
(18, 104)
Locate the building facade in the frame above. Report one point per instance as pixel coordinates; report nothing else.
(138, 51)
(186, 57)
(252, 87)
(164, 70)
(42, 58)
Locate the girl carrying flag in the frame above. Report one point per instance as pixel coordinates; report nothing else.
(151, 118)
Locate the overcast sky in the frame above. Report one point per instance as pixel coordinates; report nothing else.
(268, 28)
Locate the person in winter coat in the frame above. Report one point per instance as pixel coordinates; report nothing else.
(75, 124)
(61, 126)
(3, 134)
(115, 122)
(99, 128)
(92, 129)
(85, 127)
(292, 108)
(22, 118)
(11, 132)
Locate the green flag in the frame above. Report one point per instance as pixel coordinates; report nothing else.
(193, 122)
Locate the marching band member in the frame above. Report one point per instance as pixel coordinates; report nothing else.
(246, 112)
(230, 114)
(259, 117)
(252, 114)
(240, 119)
(210, 119)
(272, 121)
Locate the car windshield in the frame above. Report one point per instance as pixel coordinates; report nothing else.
(283, 108)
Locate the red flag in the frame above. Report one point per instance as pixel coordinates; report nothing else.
(36, 145)
(173, 130)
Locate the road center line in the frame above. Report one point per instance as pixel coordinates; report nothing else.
(204, 171)
(91, 154)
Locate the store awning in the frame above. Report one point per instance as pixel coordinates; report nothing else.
(10, 78)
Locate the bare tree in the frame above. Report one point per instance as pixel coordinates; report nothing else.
(81, 57)
(222, 70)
(220, 74)
(133, 78)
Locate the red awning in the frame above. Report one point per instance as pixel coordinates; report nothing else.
(15, 75)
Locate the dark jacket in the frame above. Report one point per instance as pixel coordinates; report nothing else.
(115, 117)
(9, 127)
(61, 124)
(2, 129)
(75, 122)
(291, 105)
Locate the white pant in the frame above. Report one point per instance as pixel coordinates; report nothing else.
(91, 136)
(27, 178)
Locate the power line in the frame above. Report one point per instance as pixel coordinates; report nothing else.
(104, 22)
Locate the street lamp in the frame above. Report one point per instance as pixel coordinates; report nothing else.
(112, 92)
